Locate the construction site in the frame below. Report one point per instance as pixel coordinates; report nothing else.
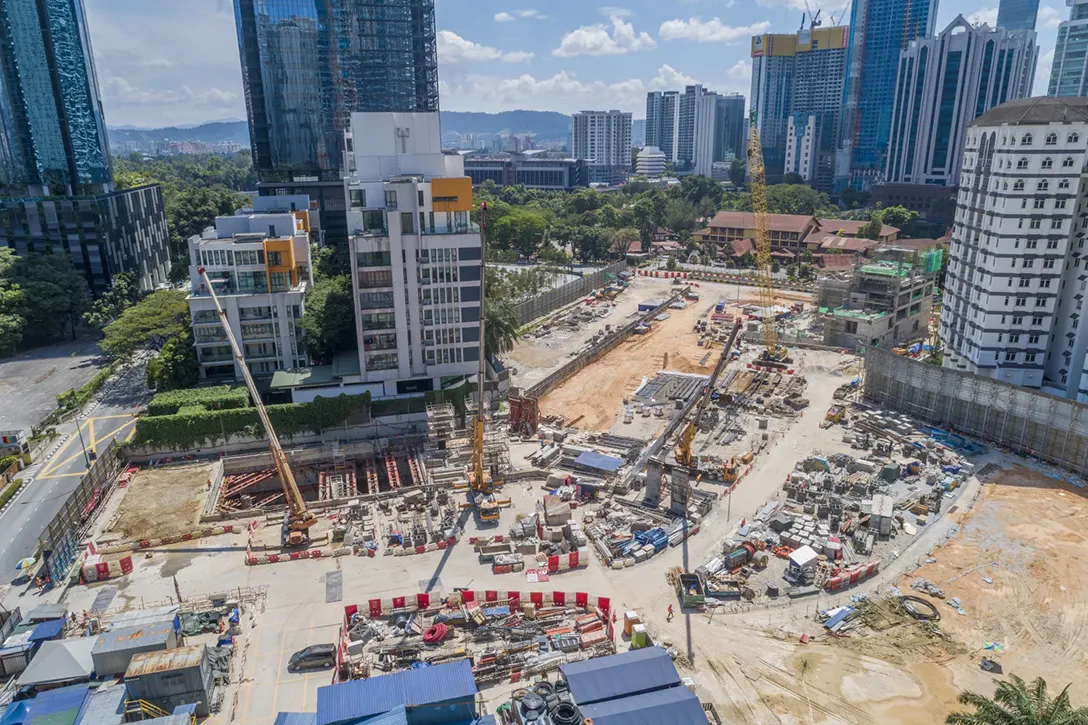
(678, 465)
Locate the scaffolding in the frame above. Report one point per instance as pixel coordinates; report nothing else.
(1026, 421)
(449, 448)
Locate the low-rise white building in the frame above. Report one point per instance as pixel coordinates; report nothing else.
(260, 266)
(650, 162)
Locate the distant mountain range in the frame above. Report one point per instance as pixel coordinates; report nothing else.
(542, 125)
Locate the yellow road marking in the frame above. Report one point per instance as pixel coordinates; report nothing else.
(116, 433)
(90, 434)
(54, 464)
(61, 475)
(112, 417)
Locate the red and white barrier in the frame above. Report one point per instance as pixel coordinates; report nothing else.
(853, 575)
(95, 569)
(166, 540)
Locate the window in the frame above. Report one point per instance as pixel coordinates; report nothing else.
(1016, 320)
(1044, 283)
(1040, 302)
(1036, 320)
(1048, 163)
(1010, 357)
(421, 202)
(1055, 223)
(407, 223)
(1048, 264)
(1019, 185)
(1031, 243)
(1059, 203)
(1039, 204)
(1029, 357)
(1072, 138)
(1035, 224)
(1024, 282)
(1021, 301)
(1063, 184)
(391, 198)
(1067, 162)
(1014, 338)
(1052, 139)
(1052, 244)
(1026, 140)
(1022, 163)
(1027, 263)
(358, 197)
(1033, 339)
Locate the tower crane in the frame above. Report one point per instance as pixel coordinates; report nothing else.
(299, 518)
(684, 454)
(773, 353)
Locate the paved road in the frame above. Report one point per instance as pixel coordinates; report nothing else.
(55, 478)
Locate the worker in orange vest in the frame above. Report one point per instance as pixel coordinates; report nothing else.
(670, 615)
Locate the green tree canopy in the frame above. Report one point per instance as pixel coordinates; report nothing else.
(872, 228)
(149, 324)
(521, 231)
(680, 217)
(791, 177)
(737, 172)
(501, 326)
(795, 199)
(329, 320)
(54, 296)
(12, 300)
(1016, 703)
(122, 294)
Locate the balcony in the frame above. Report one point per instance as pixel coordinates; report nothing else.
(254, 317)
(211, 359)
(210, 339)
(375, 343)
(258, 331)
(467, 228)
(375, 300)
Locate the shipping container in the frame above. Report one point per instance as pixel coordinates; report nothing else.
(173, 677)
(116, 648)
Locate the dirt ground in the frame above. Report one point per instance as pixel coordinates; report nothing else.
(596, 392)
(162, 501)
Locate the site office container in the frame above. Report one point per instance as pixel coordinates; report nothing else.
(179, 676)
(115, 649)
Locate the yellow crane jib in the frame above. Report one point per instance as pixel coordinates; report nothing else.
(299, 516)
(684, 454)
(757, 175)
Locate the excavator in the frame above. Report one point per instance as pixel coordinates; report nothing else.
(481, 483)
(298, 519)
(773, 355)
(684, 454)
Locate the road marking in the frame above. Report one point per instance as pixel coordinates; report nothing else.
(91, 437)
(112, 417)
(63, 475)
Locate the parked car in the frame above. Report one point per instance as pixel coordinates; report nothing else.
(315, 656)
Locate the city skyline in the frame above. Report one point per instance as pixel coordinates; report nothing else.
(490, 59)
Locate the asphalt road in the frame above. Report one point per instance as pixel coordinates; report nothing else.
(58, 476)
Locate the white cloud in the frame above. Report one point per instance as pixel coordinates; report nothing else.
(504, 17)
(668, 78)
(1050, 18)
(119, 90)
(595, 40)
(611, 10)
(452, 48)
(741, 71)
(984, 15)
(534, 14)
(1042, 73)
(710, 31)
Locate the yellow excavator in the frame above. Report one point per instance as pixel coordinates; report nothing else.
(773, 354)
(684, 454)
(299, 518)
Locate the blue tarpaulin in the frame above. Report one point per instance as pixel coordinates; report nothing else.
(599, 461)
(47, 630)
(61, 706)
(672, 706)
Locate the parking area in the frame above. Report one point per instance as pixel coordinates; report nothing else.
(31, 381)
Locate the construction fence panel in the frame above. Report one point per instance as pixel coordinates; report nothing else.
(59, 541)
(572, 291)
(1025, 421)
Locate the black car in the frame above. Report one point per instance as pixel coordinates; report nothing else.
(315, 656)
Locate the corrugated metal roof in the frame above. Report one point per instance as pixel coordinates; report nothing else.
(599, 461)
(365, 698)
(125, 638)
(397, 716)
(47, 630)
(140, 617)
(51, 702)
(43, 612)
(620, 675)
(181, 658)
(673, 706)
(105, 706)
(296, 718)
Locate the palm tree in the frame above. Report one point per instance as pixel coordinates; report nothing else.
(501, 328)
(1015, 703)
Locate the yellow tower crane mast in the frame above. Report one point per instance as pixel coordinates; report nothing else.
(481, 484)
(299, 517)
(773, 352)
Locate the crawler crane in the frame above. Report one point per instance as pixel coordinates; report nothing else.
(299, 518)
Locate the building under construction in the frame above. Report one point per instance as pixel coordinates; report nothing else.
(884, 303)
(449, 444)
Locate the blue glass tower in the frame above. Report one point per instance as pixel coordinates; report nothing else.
(52, 131)
(1017, 14)
(879, 30)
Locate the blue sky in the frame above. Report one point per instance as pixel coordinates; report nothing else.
(163, 62)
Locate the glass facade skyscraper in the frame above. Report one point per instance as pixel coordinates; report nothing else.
(1017, 14)
(52, 131)
(308, 64)
(879, 30)
(1069, 71)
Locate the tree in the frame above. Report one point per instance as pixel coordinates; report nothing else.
(122, 294)
(54, 296)
(591, 243)
(330, 261)
(500, 326)
(871, 230)
(737, 172)
(791, 177)
(1016, 703)
(680, 217)
(901, 218)
(672, 265)
(521, 230)
(175, 366)
(643, 217)
(329, 320)
(696, 188)
(551, 255)
(148, 324)
(11, 306)
(795, 199)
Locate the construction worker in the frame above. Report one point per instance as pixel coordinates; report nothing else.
(670, 615)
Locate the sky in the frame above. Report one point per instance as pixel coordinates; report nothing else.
(169, 63)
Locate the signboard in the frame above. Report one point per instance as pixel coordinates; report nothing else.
(11, 437)
(757, 45)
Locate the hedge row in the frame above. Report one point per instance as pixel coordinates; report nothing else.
(199, 429)
(191, 409)
(11, 490)
(218, 397)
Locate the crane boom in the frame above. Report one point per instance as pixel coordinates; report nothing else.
(300, 518)
(684, 455)
(758, 190)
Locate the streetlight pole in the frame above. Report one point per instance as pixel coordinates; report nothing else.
(79, 430)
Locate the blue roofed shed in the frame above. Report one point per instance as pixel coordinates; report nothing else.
(431, 695)
(598, 462)
(671, 706)
(296, 718)
(50, 629)
(52, 707)
(104, 706)
(620, 675)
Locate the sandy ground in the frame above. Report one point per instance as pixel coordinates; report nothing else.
(596, 392)
(162, 501)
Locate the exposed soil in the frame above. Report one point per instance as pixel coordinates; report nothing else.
(162, 501)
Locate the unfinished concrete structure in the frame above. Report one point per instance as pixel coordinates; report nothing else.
(882, 304)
